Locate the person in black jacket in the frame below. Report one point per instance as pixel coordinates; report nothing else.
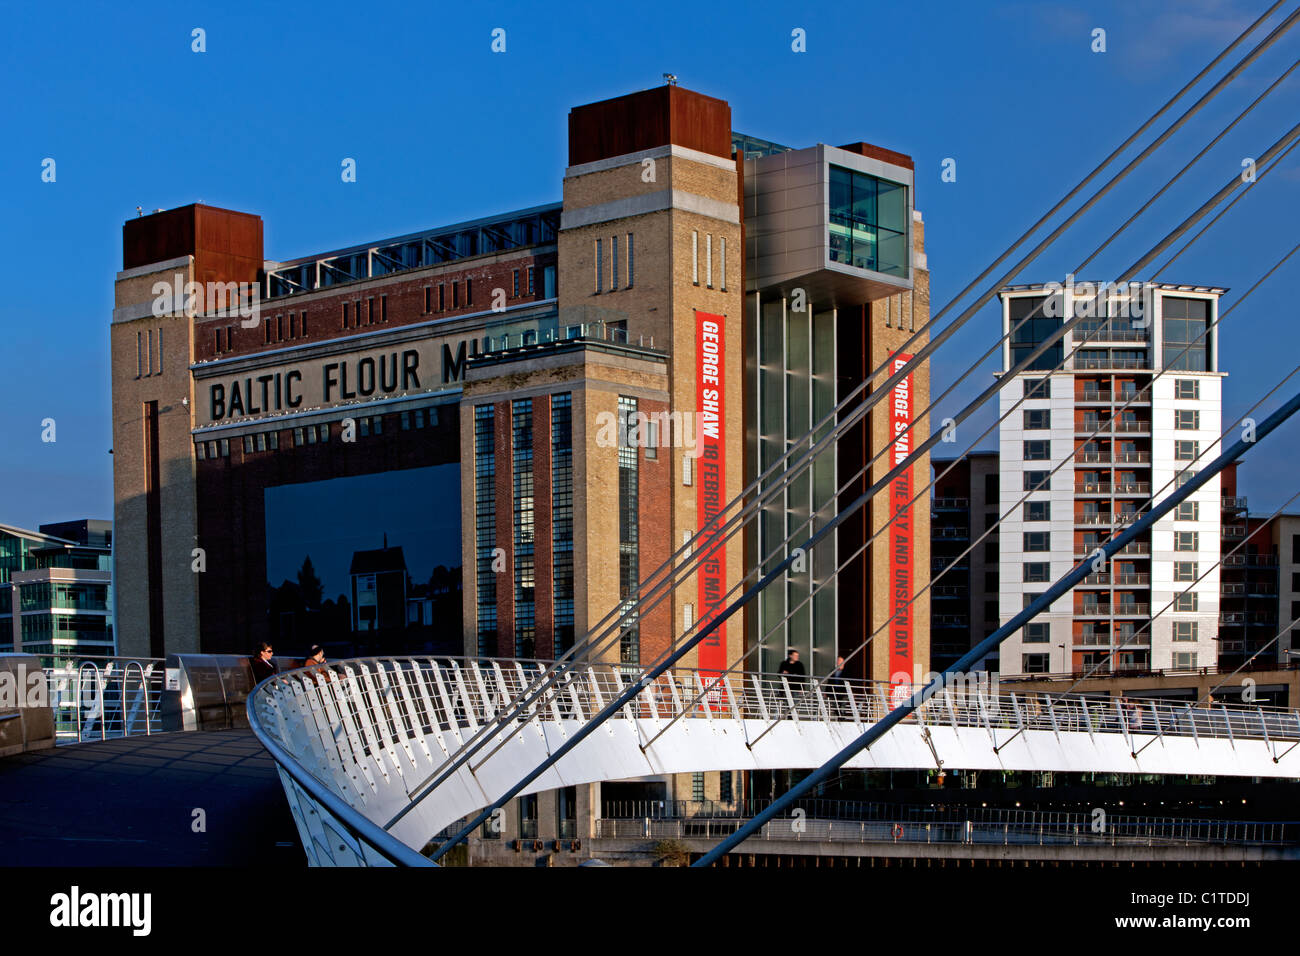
(263, 666)
(793, 669)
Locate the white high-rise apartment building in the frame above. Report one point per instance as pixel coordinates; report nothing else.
(1133, 434)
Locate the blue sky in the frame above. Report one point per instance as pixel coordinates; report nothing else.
(444, 130)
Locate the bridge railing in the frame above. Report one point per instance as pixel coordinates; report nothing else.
(368, 706)
(103, 698)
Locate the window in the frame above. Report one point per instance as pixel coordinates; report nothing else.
(514, 279)
(469, 291)
(562, 520)
(442, 297)
(1034, 663)
(868, 222)
(629, 263)
(248, 444)
(1187, 389)
(991, 611)
(1036, 418)
(200, 451)
(991, 490)
(1186, 334)
(406, 421)
(1185, 571)
(1038, 480)
(1184, 630)
(1186, 540)
(530, 280)
(697, 787)
(1185, 660)
(383, 308)
(1036, 571)
(1187, 419)
(1038, 450)
(1037, 541)
(311, 434)
(1186, 601)
(1030, 597)
(722, 264)
(299, 439)
(485, 527)
(1295, 551)
(725, 791)
(628, 526)
(260, 441)
(1185, 450)
(1187, 511)
(651, 437)
(1038, 387)
(990, 552)
(363, 427)
(428, 298)
(1038, 511)
(708, 261)
(991, 585)
(1037, 632)
(524, 527)
(695, 257)
(225, 448)
(613, 263)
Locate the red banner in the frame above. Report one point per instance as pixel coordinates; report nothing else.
(711, 479)
(901, 550)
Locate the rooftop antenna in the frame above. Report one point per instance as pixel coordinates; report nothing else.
(670, 79)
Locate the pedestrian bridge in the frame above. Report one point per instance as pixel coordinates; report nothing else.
(354, 741)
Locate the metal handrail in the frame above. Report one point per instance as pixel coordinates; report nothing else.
(357, 824)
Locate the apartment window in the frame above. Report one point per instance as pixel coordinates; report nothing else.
(1187, 511)
(991, 490)
(299, 438)
(1038, 480)
(1038, 511)
(613, 263)
(1185, 660)
(1186, 540)
(695, 257)
(1295, 550)
(1037, 541)
(455, 295)
(1187, 389)
(530, 280)
(1037, 632)
(1030, 597)
(469, 291)
(651, 443)
(200, 451)
(248, 444)
(1187, 419)
(1186, 601)
(514, 279)
(1037, 571)
(990, 552)
(1186, 334)
(442, 297)
(708, 261)
(383, 308)
(722, 262)
(1185, 571)
(1184, 630)
(697, 787)
(1185, 450)
(343, 324)
(628, 526)
(1038, 387)
(562, 519)
(1038, 450)
(225, 447)
(1034, 663)
(485, 534)
(629, 260)
(1036, 418)
(600, 266)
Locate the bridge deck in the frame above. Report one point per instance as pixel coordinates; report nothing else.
(130, 802)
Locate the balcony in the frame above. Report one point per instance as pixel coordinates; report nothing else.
(1139, 548)
(1126, 579)
(942, 564)
(1233, 531)
(949, 620)
(1125, 609)
(1093, 457)
(952, 534)
(951, 504)
(1234, 503)
(1120, 518)
(1133, 457)
(1233, 587)
(1089, 427)
(948, 591)
(1091, 362)
(1099, 334)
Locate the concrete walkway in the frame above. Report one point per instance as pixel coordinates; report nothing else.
(132, 802)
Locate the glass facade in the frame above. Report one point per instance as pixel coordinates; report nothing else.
(562, 518)
(628, 526)
(1186, 328)
(868, 222)
(525, 591)
(796, 389)
(485, 527)
(1035, 329)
